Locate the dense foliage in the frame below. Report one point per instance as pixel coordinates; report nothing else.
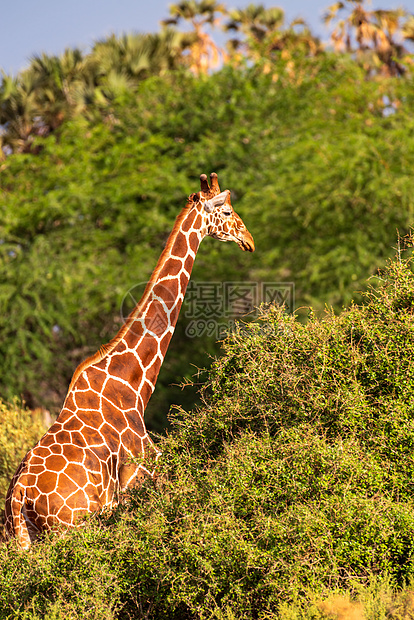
(293, 480)
(287, 492)
(319, 163)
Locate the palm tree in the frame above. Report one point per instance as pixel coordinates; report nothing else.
(54, 88)
(136, 56)
(59, 80)
(375, 34)
(203, 54)
(167, 49)
(19, 112)
(407, 29)
(265, 33)
(255, 21)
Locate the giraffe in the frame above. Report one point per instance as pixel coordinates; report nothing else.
(99, 446)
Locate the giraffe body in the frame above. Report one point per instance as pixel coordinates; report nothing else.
(99, 445)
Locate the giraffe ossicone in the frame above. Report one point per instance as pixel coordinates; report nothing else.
(99, 445)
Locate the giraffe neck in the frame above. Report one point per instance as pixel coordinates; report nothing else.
(140, 346)
(150, 326)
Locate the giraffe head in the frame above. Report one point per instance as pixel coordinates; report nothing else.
(223, 223)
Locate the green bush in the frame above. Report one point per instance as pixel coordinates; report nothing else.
(288, 491)
(20, 429)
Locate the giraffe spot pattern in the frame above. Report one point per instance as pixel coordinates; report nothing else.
(181, 245)
(125, 367)
(171, 268)
(96, 378)
(46, 483)
(73, 424)
(120, 395)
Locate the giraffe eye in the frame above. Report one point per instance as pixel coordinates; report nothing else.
(226, 213)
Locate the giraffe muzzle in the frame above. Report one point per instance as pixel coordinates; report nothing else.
(246, 243)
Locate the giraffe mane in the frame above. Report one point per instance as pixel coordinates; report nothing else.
(107, 348)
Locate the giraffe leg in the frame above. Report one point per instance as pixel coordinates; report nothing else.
(18, 524)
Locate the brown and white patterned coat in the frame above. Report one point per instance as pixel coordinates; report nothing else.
(84, 460)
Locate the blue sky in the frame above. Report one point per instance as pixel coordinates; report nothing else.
(30, 27)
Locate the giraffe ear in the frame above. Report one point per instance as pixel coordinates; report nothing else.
(217, 201)
(208, 206)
